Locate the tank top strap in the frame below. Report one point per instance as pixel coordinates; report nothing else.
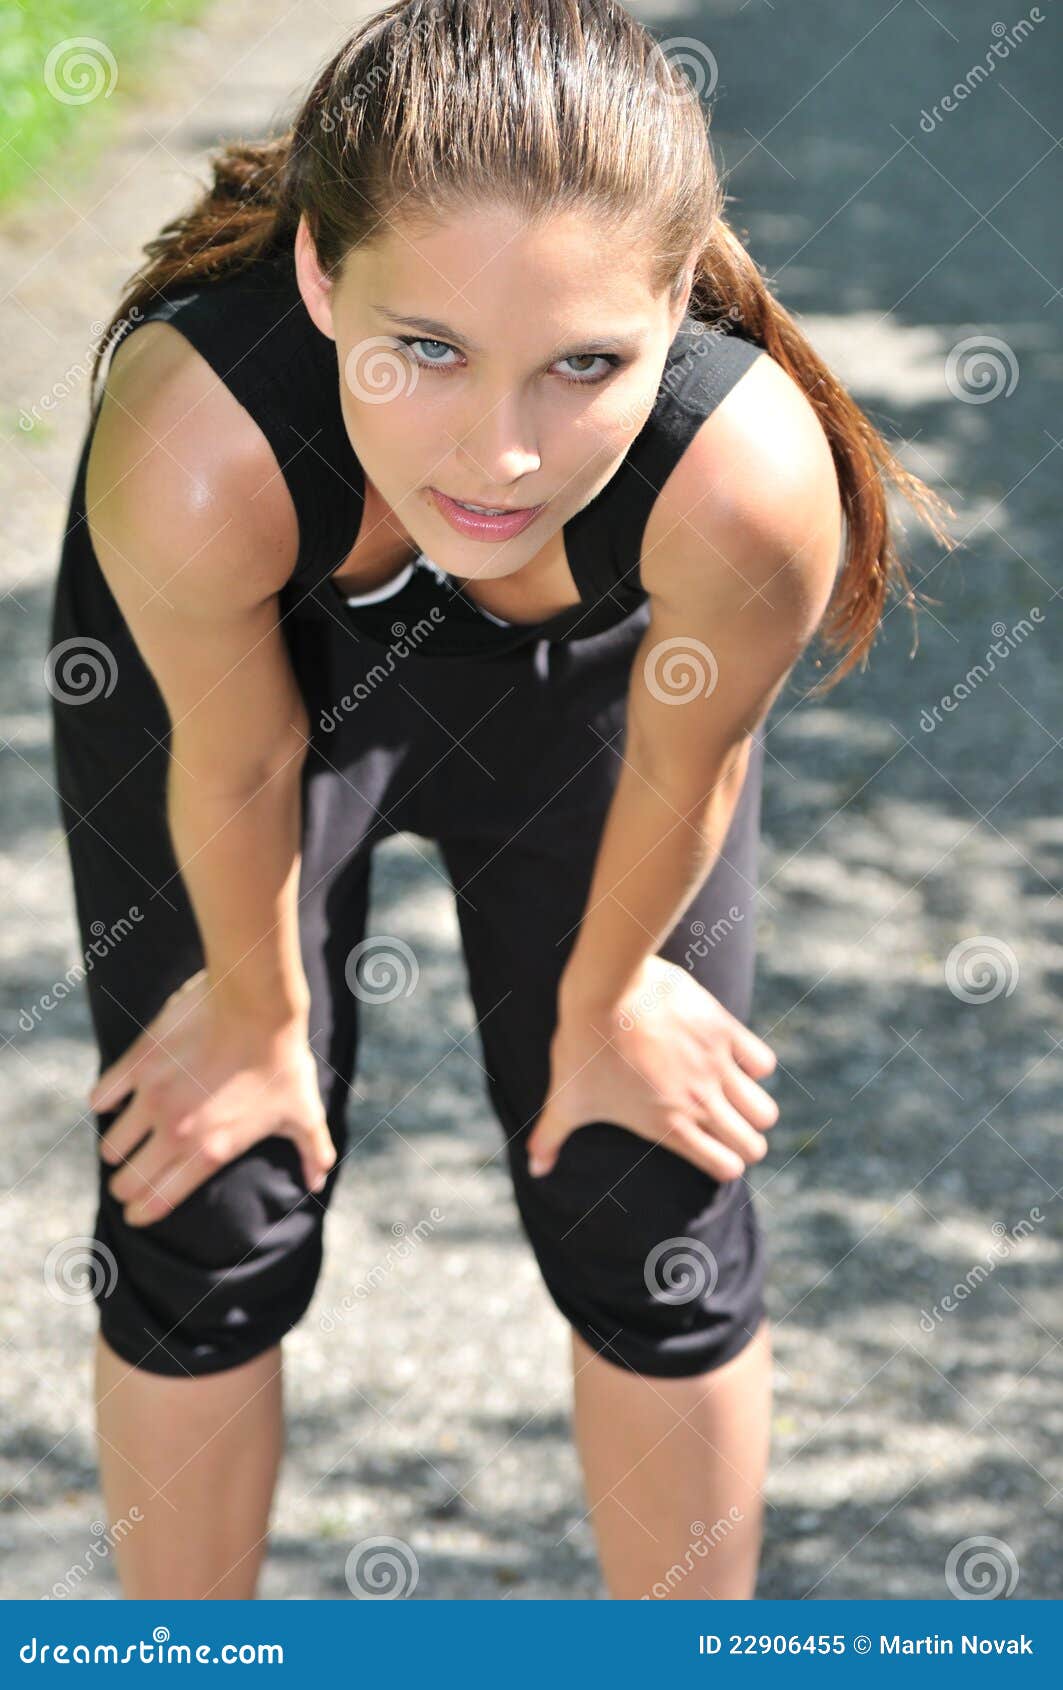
(604, 540)
(253, 329)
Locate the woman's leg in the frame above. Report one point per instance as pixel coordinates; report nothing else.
(674, 1466)
(673, 1470)
(188, 1468)
(193, 1306)
(672, 1390)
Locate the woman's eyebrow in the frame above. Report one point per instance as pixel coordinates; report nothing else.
(432, 327)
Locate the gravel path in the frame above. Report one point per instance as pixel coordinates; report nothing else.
(910, 917)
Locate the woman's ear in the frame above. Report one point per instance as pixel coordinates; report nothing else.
(314, 285)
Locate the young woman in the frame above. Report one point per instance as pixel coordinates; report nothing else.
(487, 269)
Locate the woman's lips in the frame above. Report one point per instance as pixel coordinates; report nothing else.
(480, 527)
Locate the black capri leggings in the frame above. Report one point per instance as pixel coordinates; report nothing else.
(508, 764)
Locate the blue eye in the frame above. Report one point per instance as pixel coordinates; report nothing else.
(427, 363)
(609, 359)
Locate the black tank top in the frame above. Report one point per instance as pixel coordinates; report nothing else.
(254, 331)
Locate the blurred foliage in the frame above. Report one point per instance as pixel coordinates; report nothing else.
(64, 68)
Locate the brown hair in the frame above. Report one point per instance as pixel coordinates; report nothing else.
(542, 105)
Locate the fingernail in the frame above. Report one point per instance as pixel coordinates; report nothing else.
(538, 1165)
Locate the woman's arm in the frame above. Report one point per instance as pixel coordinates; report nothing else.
(740, 562)
(194, 530)
(195, 534)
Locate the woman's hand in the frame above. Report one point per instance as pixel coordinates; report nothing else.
(210, 1079)
(668, 1061)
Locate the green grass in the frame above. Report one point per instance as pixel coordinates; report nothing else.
(48, 125)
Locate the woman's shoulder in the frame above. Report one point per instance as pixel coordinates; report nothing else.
(754, 482)
(180, 472)
(232, 370)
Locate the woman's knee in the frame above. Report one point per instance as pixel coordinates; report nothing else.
(218, 1279)
(658, 1266)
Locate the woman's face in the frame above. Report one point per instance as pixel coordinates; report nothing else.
(492, 361)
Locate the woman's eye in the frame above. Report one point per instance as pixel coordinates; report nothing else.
(608, 359)
(427, 363)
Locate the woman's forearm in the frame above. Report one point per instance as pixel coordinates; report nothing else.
(658, 845)
(239, 855)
